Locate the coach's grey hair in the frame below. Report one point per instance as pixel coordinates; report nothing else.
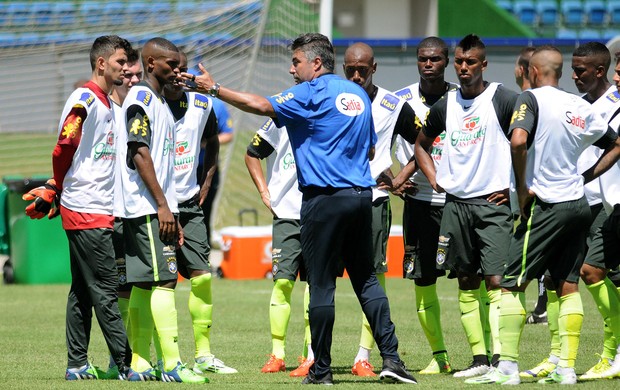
(316, 45)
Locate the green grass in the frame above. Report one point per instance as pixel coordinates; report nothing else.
(32, 340)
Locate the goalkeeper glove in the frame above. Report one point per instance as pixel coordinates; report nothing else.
(46, 201)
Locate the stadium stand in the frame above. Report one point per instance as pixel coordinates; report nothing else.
(548, 13)
(572, 13)
(596, 13)
(525, 11)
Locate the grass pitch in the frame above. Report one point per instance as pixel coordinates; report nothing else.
(32, 337)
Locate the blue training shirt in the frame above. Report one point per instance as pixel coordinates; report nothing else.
(329, 123)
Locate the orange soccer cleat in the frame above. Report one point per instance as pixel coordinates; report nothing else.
(274, 364)
(304, 367)
(363, 368)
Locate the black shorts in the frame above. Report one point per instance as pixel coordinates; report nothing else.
(193, 255)
(119, 254)
(286, 259)
(148, 258)
(604, 249)
(553, 238)
(421, 222)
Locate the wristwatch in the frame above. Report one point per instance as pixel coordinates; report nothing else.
(214, 90)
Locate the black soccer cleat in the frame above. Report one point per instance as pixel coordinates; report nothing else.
(396, 372)
(326, 380)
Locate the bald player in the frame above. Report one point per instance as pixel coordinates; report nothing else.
(555, 213)
(392, 117)
(150, 216)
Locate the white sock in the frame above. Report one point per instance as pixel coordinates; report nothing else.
(362, 354)
(565, 370)
(508, 367)
(310, 353)
(554, 359)
(78, 369)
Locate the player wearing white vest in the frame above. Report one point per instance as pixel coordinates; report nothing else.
(474, 172)
(549, 122)
(590, 63)
(195, 123)
(281, 195)
(150, 226)
(391, 117)
(600, 269)
(423, 208)
(83, 164)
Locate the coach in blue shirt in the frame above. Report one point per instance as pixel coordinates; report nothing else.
(330, 126)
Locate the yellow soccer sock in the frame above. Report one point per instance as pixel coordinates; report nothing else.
(280, 314)
(607, 300)
(307, 352)
(570, 321)
(553, 314)
(367, 340)
(201, 309)
(429, 314)
(495, 297)
(165, 319)
(469, 303)
(141, 322)
(511, 323)
(157, 345)
(485, 305)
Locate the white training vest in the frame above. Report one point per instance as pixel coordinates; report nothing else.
(88, 186)
(281, 172)
(610, 180)
(405, 150)
(189, 131)
(121, 155)
(386, 108)
(138, 199)
(605, 106)
(476, 155)
(567, 125)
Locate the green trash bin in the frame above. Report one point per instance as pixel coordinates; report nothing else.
(38, 248)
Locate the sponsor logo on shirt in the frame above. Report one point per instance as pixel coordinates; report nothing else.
(438, 146)
(575, 120)
(614, 96)
(284, 98)
(105, 150)
(87, 98)
(471, 133)
(390, 102)
(519, 114)
(145, 97)
(182, 160)
(350, 104)
(288, 162)
(201, 102)
(405, 94)
(266, 125)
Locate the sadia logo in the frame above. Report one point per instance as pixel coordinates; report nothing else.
(349, 104)
(575, 120)
(470, 123)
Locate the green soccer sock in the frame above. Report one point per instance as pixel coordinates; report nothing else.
(123, 307)
(469, 303)
(141, 322)
(165, 319)
(607, 300)
(367, 341)
(429, 314)
(201, 309)
(307, 352)
(485, 304)
(570, 321)
(511, 323)
(280, 314)
(495, 297)
(553, 314)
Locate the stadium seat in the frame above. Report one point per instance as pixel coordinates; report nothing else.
(548, 13)
(29, 39)
(43, 13)
(589, 34)
(506, 5)
(525, 11)
(53, 37)
(19, 13)
(65, 13)
(566, 33)
(596, 13)
(91, 13)
(137, 12)
(161, 12)
(608, 34)
(614, 13)
(572, 12)
(5, 19)
(7, 39)
(114, 12)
